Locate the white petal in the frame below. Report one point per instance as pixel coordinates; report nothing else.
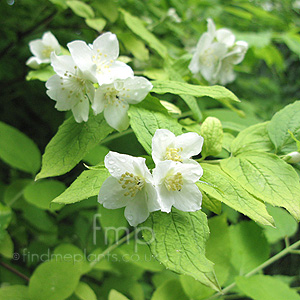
(166, 198)
(62, 63)
(226, 75)
(162, 139)
(162, 169)
(107, 44)
(33, 62)
(151, 198)
(190, 172)
(136, 89)
(111, 194)
(136, 211)
(226, 37)
(211, 27)
(82, 56)
(190, 142)
(116, 116)
(188, 199)
(36, 48)
(50, 40)
(81, 110)
(99, 101)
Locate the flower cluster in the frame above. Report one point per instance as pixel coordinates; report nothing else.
(216, 54)
(171, 183)
(73, 85)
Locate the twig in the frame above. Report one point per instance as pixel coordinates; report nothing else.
(13, 270)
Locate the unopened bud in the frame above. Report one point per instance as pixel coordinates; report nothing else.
(293, 157)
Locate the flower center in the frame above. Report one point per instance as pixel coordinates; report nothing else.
(131, 184)
(174, 182)
(208, 58)
(47, 51)
(113, 97)
(172, 154)
(101, 61)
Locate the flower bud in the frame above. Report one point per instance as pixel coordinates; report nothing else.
(293, 157)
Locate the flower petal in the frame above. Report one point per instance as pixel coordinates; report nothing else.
(81, 110)
(190, 142)
(188, 199)
(153, 203)
(50, 40)
(107, 44)
(162, 139)
(36, 47)
(211, 27)
(116, 116)
(225, 36)
(111, 194)
(62, 63)
(165, 198)
(136, 89)
(191, 172)
(99, 101)
(33, 62)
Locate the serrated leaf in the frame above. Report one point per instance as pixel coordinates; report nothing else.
(144, 121)
(178, 241)
(279, 126)
(262, 287)
(212, 132)
(84, 292)
(267, 177)
(17, 150)
(53, 280)
(223, 188)
(88, 184)
(137, 26)
(71, 143)
(211, 203)
(14, 292)
(253, 138)
(97, 23)
(81, 9)
(42, 74)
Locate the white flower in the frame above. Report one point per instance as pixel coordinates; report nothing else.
(100, 58)
(130, 186)
(167, 146)
(70, 88)
(42, 49)
(175, 185)
(214, 54)
(114, 99)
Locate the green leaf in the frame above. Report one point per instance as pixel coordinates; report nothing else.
(292, 40)
(135, 46)
(262, 287)
(108, 9)
(18, 150)
(14, 292)
(211, 203)
(145, 121)
(170, 290)
(250, 247)
(253, 138)
(97, 24)
(14, 192)
(81, 9)
(96, 155)
(137, 27)
(223, 188)
(267, 177)
(41, 193)
(212, 132)
(5, 216)
(283, 121)
(217, 92)
(7, 246)
(42, 74)
(88, 184)
(257, 39)
(84, 292)
(285, 225)
(53, 281)
(178, 241)
(71, 143)
(115, 295)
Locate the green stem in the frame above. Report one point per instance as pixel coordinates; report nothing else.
(113, 247)
(116, 135)
(259, 268)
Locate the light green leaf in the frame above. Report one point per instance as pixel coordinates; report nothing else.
(145, 120)
(17, 150)
(7, 246)
(135, 46)
(88, 184)
(285, 225)
(84, 292)
(211, 203)
(262, 287)
(250, 247)
(14, 192)
(253, 138)
(109, 9)
(53, 281)
(96, 155)
(14, 292)
(81, 9)
(42, 74)
(41, 193)
(212, 132)
(71, 143)
(178, 241)
(283, 121)
(137, 27)
(97, 24)
(170, 290)
(115, 295)
(223, 188)
(267, 177)
(217, 92)
(5, 216)
(257, 39)
(292, 40)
